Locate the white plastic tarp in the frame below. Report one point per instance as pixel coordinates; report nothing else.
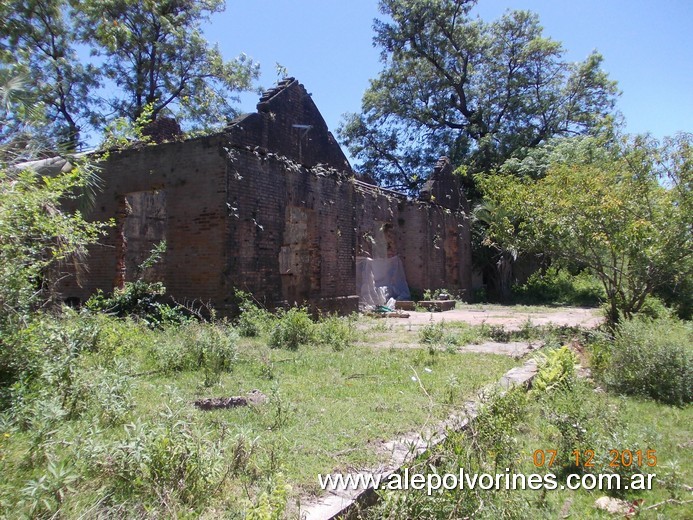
(379, 279)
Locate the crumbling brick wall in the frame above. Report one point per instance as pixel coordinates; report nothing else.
(269, 206)
(432, 241)
(191, 176)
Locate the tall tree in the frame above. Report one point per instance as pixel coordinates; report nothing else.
(38, 43)
(626, 214)
(156, 54)
(475, 91)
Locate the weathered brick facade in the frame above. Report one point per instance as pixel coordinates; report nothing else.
(269, 206)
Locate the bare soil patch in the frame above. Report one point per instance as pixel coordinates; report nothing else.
(510, 317)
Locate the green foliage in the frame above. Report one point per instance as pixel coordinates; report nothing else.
(335, 331)
(557, 369)
(37, 237)
(584, 421)
(44, 496)
(432, 333)
(653, 358)
(556, 285)
(253, 320)
(196, 346)
(139, 300)
(489, 446)
(624, 214)
(40, 40)
(53, 370)
(494, 429)
(434, 294)
(102, 392)
(167, 461)
(122, 132)
(477, 92)
(156, 55)
(151, 53)
(270, 505)
(292, 328)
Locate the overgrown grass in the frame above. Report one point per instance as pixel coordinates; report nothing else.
(569, 419)
(103, 422)
(652, 358)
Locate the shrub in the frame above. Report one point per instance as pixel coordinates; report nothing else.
(557, 368)
(560, 286)
(139, 299)
(587, 423)
(101, 392)
(172, 460)
(653, 358)
(494, 429)
(206, 346)
(42, 356)
(334, 331)
(270, 505)
(253, 319)
(292, 328)
(655, 308)
(43, 497)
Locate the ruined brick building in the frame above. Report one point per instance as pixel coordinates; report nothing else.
(270, 206)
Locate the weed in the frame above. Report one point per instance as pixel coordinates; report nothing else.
(241, 452)
(43, 497)
(271, 503)
(281, 410)
(494, 430)
(102, 392)
(653, 358)
(253, 320)
(335, 331)
(169, 461)
(498, 333)
(557, 368)
(380, 326)
(432, 333)
(140, 300)
(292, 329)
(209, 347)
(452, 388)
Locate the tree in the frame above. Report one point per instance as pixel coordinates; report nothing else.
(624, 212)
(37, 233)
(477, 92)
(39, 41)
(494, 259)
(156, 54)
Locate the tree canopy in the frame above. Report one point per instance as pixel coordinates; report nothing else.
(156, 53)
(39, 45)
(477, 92)
(624, 211)
(88, 62)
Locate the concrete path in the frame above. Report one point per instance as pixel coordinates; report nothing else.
(338, 502)
(510, 317)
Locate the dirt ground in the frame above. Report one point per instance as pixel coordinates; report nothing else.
(510, 317)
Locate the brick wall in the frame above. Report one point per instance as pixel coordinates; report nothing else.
(291, 235)
(192, 175)
(268, 207)
(432, 241)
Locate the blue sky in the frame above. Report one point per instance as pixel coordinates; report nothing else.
(327, 45)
